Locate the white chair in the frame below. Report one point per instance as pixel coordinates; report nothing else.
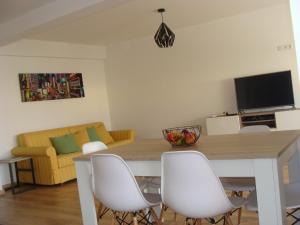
(88, 148)
(292, 198)
(190, 187)
(239, 185)
(116, 187)
(255, 129)
(92, 147)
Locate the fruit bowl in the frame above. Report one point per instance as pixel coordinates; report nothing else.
(182, 136)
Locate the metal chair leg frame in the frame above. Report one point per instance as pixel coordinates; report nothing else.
(138, 218)
(291, 214)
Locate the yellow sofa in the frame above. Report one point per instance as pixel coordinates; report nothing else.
(49, 167)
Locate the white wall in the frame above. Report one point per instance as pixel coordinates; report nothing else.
(36, 56)
(151, 88)
(295, 9)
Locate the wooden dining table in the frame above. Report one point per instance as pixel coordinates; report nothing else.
(260, 155)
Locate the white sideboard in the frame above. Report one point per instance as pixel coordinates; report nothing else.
(223, 125)
(277, 120)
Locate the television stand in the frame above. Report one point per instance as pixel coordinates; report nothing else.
(276, 120)
(261, 118)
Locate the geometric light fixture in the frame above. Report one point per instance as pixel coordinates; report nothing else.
(164, 37)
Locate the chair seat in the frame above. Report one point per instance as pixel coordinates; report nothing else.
(154, 199)
(146, 183)
(238, 183)
(292, 197)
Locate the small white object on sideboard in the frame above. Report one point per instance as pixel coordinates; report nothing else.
(276, 120)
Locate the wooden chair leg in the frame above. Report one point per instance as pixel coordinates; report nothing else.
(99, 210)
(163, 209)
(134, 219)
(239, 215)
(198, 222)
(240, 194)
(228, 219)
(114, 217)
(155, 217)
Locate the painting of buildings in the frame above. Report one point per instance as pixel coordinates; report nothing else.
(50, 86)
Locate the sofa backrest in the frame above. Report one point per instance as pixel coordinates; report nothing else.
(42, 138)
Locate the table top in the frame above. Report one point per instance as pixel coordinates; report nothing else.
(13, 159)
(215, 147)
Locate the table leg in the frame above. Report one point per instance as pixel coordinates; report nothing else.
(294, 168)
(17, 174)
(11, 178)
(86, 196)
(32, 172)
(270, 192)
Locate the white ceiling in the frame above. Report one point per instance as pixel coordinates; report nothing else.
(128, 19)
(10, 9)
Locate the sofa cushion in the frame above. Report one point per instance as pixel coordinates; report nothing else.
(67, 159)
(81, 137)
(92, 132)
(104, 135)
(40, 138)
(65, 144)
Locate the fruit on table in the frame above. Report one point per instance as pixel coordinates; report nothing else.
(170, 137)
(174, 136)
(181, 137)
(189, 137)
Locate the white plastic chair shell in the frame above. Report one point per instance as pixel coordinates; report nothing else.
(255, 129)
(115, 185)
(190, 187)
(92, 147)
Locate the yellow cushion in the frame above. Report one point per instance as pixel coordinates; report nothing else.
(104, 135)
(41, 138)
(81, 137)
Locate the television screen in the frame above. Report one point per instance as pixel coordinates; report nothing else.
(266, 90)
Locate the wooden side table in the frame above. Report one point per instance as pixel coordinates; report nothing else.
(14, 161)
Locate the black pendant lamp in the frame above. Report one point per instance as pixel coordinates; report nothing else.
(164, 37)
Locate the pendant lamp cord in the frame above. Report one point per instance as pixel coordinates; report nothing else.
(162, 17)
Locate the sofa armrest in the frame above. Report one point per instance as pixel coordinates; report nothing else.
(48, 153)
(33, 151)
(120, 135)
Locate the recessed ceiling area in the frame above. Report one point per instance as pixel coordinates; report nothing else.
(14, 8)
(103, 22)
(137, 18)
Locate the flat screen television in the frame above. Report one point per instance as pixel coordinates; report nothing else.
(263, 91)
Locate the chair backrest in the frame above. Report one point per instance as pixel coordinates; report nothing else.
(114, 184)
(92, 147)
(190, 187)
(255, 129)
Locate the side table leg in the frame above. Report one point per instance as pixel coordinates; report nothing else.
(32, 171)
(11, 178)
(17, 174)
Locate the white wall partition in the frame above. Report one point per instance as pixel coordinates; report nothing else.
(37, 56)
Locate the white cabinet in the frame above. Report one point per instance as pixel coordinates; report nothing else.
(288, 120)
(223, 125)
(278, 120)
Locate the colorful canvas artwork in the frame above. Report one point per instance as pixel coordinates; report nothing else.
(50, 86)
